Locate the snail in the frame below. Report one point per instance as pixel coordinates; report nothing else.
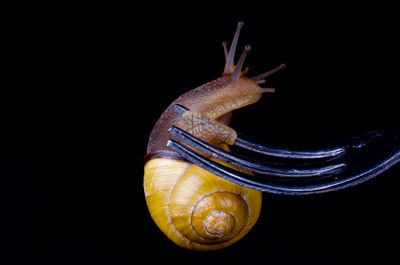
(195, 208)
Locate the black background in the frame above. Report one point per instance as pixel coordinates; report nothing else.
(84, 86)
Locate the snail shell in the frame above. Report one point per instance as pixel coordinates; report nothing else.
(196, 209)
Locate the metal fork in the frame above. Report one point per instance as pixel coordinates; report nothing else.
(294, 172)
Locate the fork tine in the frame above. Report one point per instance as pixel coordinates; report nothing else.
(265, 184)
(245, 142)
(259, 166)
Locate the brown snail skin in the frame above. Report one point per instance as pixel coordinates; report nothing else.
(193, 207)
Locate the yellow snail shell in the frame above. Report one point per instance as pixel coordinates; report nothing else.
(196, 209)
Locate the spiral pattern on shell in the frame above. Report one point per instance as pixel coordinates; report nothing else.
(195, 208)
(219, 216)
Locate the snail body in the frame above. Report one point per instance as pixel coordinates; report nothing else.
(193, 207)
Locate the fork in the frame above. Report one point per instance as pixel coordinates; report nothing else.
(293, 172)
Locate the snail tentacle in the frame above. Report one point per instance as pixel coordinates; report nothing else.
(231, 55)
(237, 71)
